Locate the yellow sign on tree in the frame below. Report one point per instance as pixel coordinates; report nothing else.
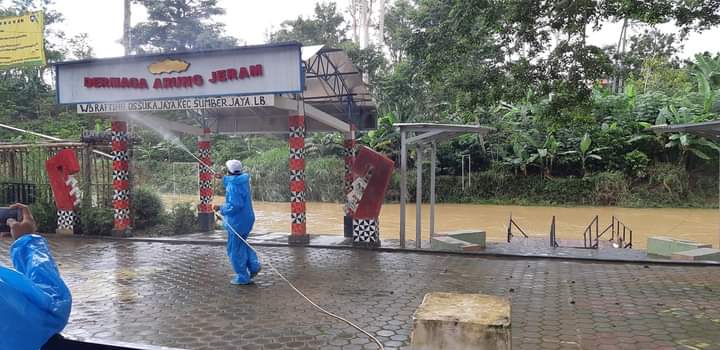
(21, 41)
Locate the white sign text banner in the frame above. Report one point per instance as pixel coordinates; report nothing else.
(251, 71)
(177, 104)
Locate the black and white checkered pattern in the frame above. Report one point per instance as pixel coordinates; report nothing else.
(205, 183)
(203, 153)
(297, 218)
(297, 153)
(66, 219)
(206, 199)
(297, 175)
(297, 196)
(348, 152)
(121, 195)
(120, 155)
(365, 231)
(122, 214)
(119, 136)
(297, 131)
(120, 175)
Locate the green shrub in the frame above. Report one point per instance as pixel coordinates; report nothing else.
(183, 219)
(610, 188)
(325, 179)
(636, 163)
(97, 221)
(671, 179)
(270, 175)
(45, 214)
(147, 208)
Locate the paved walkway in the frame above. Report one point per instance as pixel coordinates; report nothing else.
(518, 248)
(178, 295)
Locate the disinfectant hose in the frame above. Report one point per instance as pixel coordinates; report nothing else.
(269, 262)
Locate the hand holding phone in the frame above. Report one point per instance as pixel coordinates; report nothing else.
(18, 220)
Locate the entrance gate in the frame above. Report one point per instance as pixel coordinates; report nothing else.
(283, 89)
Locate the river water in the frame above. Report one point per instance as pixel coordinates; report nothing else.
(700, 225)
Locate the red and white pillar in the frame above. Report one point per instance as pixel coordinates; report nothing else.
(121, 177)
(349, 153)
(206, 217)
(296, 141)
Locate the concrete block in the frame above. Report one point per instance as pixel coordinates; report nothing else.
(447, 243)
(451, 321)
(666, 246)
(470, 236)
(700, 254)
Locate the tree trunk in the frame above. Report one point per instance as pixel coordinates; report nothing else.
(354, 23)
(619, 52)
(381, 23)
(126, 27)
(365, 12)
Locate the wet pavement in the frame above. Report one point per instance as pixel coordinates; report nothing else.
(179, 295)
(519, 247)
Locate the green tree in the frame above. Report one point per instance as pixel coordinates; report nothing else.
(327, 26)
(179, 25)
(398, 29)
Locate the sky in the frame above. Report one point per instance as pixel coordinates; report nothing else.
(250, 21)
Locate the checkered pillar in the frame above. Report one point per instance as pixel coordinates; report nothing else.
(121, 182)
(349, 153)
(205, 181)
(366, 232)
(296, 141)
(66, 220)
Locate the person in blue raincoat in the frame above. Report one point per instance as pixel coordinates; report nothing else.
(238, 214)
(34, 301)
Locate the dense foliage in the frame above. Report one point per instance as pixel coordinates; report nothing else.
(571, 117)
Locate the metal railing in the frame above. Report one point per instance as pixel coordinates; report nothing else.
(588, 241)
(512, 223)
(12, 192)
(553, 234)
(620, 234)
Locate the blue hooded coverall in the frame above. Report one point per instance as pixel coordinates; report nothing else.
(238, 213)
(34, 301)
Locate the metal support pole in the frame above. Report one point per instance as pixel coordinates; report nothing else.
(418, 196)
(462, 172)
(87, 177)
(433, 164)
(403, 184)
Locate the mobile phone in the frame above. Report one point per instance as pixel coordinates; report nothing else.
(7, 213)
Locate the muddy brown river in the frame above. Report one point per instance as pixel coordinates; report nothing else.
(326, 218)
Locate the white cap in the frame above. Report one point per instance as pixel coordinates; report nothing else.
(233, 166)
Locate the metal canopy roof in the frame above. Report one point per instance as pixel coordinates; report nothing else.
(710, 129)
(423, 134)
(433, 132)
(333, 86)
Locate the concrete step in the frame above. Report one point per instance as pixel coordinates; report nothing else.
(700, 254)
(666, 246)
(448, 243)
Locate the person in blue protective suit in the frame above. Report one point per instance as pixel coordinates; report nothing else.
(238, 216)
(34, 301)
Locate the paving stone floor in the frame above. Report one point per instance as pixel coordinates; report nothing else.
(519, 247)
(179, 295)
